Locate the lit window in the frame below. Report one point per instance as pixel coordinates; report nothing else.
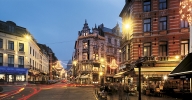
(21, 47)
(184, 47)
(184, 24)
(147, 49)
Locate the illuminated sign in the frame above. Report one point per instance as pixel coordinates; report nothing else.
(12, 70)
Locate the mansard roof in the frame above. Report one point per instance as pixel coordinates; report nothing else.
(11, 28)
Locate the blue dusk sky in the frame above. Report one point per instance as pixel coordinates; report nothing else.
(56, 22)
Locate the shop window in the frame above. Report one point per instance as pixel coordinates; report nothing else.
(2, 77)
(11, 60)
(20, 78)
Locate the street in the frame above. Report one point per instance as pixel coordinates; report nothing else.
(51, 92)
(61, 91)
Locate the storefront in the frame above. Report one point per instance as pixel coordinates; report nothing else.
(12, 75)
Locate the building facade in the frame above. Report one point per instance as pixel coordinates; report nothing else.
(94, 53)
(152, 29)
(21, 59)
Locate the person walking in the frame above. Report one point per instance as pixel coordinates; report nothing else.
(126, 89)
(120, 91)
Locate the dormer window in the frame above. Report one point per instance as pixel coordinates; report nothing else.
(11, 28)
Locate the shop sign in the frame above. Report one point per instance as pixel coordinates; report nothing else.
(12, 70)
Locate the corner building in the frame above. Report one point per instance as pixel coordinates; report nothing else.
(21, 59)
(155, 31)
(94, 53)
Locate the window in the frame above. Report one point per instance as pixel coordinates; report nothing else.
(85, 56)
(10, 60)
(109, 40)
(147, 25)
(163, 48)
(1, 59)
(124, 53)
(129, 52)
(33, 52)
(147, 6)
(184, 24)
(85, 34)
(95, 56)
(21, 47)
(115, 42)
(184, 47)
(30, 50)
(147, 49)
(102, 46)
(163, 23)
(1, 43)
(21, 62)
(11, 28)
(162, 4)
(10, 45)
(85, 46)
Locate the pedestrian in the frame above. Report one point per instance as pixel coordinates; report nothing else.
(126, 89)
(120, 91)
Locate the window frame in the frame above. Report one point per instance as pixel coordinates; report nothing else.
(148, 6)
(163, 48)
(21, 44)
(10, 60)
(21, 61)
(185, 44)
(184, 24)
(147, 25)
(161, 4)
(147, 46)
(162, 22)
(11, 45)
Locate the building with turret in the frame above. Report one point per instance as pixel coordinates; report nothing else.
(96, 57)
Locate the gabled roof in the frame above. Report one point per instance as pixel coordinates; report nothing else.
(185, 67)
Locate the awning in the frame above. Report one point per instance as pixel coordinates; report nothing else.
(184, 68)
(120, 74)
(155, 69)
(84, 76)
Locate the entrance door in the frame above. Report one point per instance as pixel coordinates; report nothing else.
(10, 78)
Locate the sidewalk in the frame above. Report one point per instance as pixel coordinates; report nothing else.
(115, 96)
